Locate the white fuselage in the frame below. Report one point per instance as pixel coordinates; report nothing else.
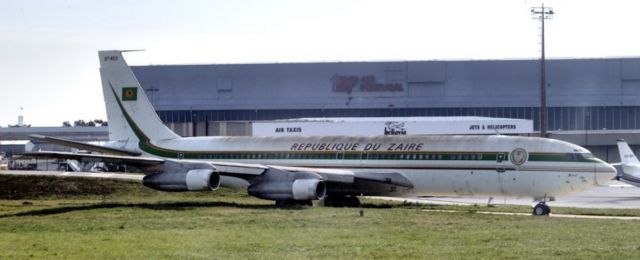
(435, 165)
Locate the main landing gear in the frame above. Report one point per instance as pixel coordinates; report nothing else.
(293, 203)
(341, 201)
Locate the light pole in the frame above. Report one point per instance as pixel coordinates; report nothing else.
(542, 13)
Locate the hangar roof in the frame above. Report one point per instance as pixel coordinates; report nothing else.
(393, 84)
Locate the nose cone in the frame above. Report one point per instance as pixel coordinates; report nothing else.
(605, 172)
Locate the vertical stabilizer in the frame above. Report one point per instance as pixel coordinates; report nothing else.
(626, 154)
(130, 114)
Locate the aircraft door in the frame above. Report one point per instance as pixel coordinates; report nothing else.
(501, 159)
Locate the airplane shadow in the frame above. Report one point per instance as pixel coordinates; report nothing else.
(176, 206)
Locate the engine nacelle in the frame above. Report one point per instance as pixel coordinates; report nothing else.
(192, 180)
(308, 189)
(282, 185)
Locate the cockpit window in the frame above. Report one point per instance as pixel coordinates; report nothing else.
(588, 155)
(579, 156)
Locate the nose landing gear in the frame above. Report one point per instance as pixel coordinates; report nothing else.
(541, 209)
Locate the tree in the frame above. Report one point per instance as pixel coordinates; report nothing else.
(82, 123)
(100, 122)
(79, 122)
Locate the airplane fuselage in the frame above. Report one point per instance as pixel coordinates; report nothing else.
(436, 165)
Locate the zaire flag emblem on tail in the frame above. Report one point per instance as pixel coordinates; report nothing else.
(129, 94)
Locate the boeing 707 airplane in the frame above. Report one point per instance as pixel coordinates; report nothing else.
(335, 169)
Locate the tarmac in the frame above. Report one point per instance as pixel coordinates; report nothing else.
(612, 195)
(553, 215)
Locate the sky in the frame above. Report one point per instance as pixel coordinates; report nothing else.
(48, 49)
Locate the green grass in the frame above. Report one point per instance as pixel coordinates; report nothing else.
(98, 219)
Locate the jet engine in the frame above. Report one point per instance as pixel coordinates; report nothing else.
(282, 185)
(308, 189)
(192, 180)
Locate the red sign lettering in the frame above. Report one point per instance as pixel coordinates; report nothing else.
(366, 83)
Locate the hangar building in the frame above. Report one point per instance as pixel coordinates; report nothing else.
(592, 102)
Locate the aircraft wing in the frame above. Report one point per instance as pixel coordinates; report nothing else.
(339, 181)
(263, 179)
(85, 146)
(88, 157)
(151, 164)
(98, 175)
(367, 182)
(370, 183)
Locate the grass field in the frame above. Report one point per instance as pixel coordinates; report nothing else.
(80, 219)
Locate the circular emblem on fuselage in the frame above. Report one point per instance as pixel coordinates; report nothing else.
(518, 156)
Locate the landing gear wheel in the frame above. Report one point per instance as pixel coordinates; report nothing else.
(541, 209)
(283, 203)
(353, 202)
(293, 203)
(330, 201)
(341, 201)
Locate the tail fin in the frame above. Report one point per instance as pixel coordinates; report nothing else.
(626, 154)
(130, 114)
